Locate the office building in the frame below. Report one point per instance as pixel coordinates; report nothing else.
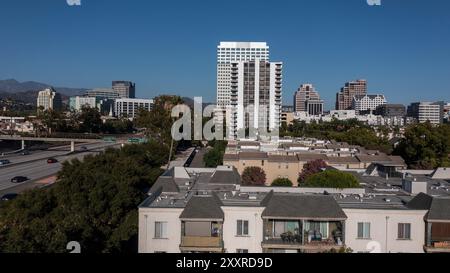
(344, 98)
(307, 99)
(228, 52)
(103, 93)
(391, 110)
(125, 89)
(427, 111)
(77, 103)
(314, 107)
(129, 108)
(49, 99)
(256, 97)
(367, 103)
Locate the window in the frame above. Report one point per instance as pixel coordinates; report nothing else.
(363, 230)
(404, 231)
(160, 230)
(242, 228)
(241, 250)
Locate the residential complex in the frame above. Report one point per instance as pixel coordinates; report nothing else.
(367, 103)
(129, 108)
(256, 97)
(427, 111)
(307, 99)
(209, 210)
(344, 98)
(287, 158)
(229, 52)
(49, 99)
(125, 89)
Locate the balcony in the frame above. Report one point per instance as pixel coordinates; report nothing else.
(204, 236)
(438, 238)
(198, 242)
(302, 236)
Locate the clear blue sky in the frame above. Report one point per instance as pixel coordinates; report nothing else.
(169, 46)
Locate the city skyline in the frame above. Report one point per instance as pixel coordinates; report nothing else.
(400, 56)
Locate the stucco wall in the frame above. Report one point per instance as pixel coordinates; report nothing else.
(252, 242)
(147, 219)
(384, 231)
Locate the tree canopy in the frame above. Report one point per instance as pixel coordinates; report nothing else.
(214, 157)
(425, 146)
(310, 168)
(351, 131)
(332, 179)
(94, 202)
(282, 182)
(253, 176)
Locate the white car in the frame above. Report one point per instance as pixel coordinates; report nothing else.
(4, 162)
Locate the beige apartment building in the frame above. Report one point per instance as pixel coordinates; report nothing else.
(275, 166)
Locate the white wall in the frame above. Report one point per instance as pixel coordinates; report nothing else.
(377, 220)
(252, 242)
(147, 219)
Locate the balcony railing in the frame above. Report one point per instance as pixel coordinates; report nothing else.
(201, 242)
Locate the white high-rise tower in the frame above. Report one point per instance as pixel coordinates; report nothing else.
(228, 52)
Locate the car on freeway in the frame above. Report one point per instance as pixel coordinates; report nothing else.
(4, 162)
(83, 148)
(19, 179)
(9, 197)
(52, 161)
(25, 152)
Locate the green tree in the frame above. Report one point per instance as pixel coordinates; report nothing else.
(214, 157)
(282, 182)
(90, 120)
(253, 176)
(332, 179)
(93, 202)
(425, 146)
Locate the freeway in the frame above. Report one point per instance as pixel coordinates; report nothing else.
(44, 154)
(40, 169)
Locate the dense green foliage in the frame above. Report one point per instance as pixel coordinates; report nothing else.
(282, 182)
(88, 120)
(332, 179)
(425, 146)
(311, 168)
(253, 176)
(94, 203)
(214, 157)
(352, 131)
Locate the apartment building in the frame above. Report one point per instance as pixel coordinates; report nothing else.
(228, 52)
(256, 97)
(287, 158)
(129, 108)
(344, 98)
(367, 103)
(49, 99)
(209, 210)
(427, 111)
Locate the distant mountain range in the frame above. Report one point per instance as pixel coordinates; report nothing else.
(27, 91)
